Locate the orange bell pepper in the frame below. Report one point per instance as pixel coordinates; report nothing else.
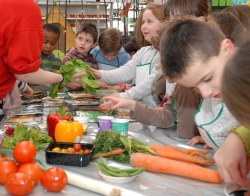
(67, 131)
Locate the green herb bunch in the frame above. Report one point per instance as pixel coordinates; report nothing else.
(108, 141)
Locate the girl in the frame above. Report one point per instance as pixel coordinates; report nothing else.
(231, 158)
(202, 52)
(142, 66)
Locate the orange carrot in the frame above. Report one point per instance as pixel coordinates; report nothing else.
(174, 153)
(156, 147)
(163, 165)
(114, 152)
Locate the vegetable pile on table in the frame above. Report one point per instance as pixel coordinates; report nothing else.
(113, 146)
(21, 133)
(71, 67)
(155, 158)
(20, 176)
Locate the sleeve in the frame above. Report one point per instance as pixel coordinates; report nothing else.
(122, 74)
(23, 37)
(66, 58)
(244, 135)
(159, 117)
(186, 104)
(143, 89)
(22, 86)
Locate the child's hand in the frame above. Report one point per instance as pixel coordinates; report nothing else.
(115, 87)
(102, 84)
(231, 161)
(96, 73)
(28, 92)
(196, 140)
(112, 103)
(73, 84)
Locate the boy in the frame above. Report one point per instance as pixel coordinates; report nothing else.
(49, 62)
(110, 54)
(197, 62)
(86, 39)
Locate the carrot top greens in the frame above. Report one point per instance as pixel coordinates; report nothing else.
(108, 141)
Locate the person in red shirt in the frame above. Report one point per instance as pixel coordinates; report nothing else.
(21, 39)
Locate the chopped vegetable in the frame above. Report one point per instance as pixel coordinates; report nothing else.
(171, 153)
(179, 168)
(21, 133)
(71, 67)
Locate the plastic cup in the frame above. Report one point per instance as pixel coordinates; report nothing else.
(105, 123)
(121, 126)
(84, 121)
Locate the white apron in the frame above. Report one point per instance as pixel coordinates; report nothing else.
(214, 121)
(144, 70)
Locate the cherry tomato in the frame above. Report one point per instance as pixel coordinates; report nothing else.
(7, 168)
(54, 179)
(24, 152)
(33, 170)
(77, 147)
(86, 151)
(64, 150)
(71, 150)
(56, 149)
(19, 184)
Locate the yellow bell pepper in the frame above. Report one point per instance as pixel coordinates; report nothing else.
(67, 131)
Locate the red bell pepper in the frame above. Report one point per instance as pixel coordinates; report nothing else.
(54, 118)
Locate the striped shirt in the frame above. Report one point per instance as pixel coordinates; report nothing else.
(72, 52)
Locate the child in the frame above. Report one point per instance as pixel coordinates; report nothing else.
(231, 158)
(86, 40)
(110, 54)
(242, 12)
(142, 66)
(49, 62)
(131, 47)
(199, 65)
(229, 25)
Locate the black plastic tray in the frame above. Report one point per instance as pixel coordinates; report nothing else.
(61, 158)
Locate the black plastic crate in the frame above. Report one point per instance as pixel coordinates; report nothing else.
(64, 158)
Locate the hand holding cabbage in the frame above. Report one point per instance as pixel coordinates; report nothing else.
(72, 67)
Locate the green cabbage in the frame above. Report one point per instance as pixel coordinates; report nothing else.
(87, 81)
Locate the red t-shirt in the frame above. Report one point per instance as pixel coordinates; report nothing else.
(21, 39)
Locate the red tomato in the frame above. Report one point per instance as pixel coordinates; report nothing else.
(33, 170)
(7, 168)
(86, 151)
(54, 179)
(24, 152)
(71, 150)
(77, 147)
(19, 184)
(3, 157)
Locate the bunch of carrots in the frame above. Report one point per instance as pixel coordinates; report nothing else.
(182, 162)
